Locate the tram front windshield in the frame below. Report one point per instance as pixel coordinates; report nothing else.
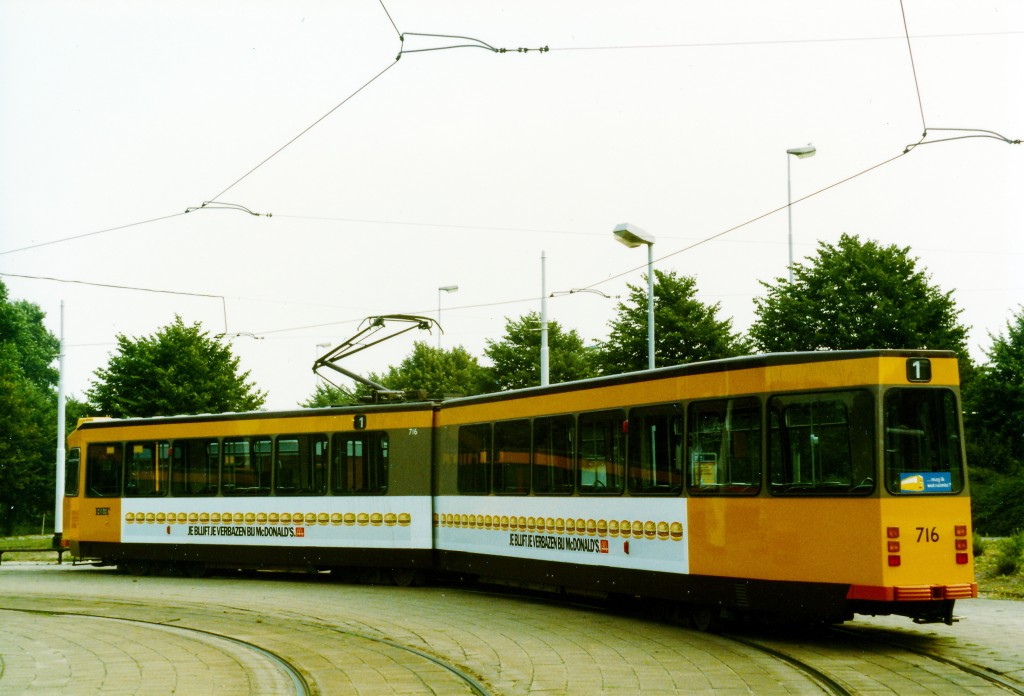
(923, 447)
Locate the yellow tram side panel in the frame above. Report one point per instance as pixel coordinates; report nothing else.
(800, 540)
(99, 519)
(840, 540)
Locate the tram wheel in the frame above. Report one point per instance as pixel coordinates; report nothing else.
(404, 577)
(705, 618)
(195, 570)
(138, 568)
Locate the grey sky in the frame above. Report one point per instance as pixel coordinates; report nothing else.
(461, 166)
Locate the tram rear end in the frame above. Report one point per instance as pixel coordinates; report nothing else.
(923, 554)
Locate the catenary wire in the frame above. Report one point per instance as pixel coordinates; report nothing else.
(306, 129)
(752, 220)
(90, 234)
(384, 7)
(780, 42)
(913, 67)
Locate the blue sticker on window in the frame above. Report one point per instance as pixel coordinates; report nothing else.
(926, 482)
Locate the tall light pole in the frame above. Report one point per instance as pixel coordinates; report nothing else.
(801, 153)
(443, 288)
(544, 355)
(632, 236)
(58, 512)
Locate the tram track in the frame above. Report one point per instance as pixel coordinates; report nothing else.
(980, 672)
(346, 638)
(294, 674)
(289, 622)
(471, 682)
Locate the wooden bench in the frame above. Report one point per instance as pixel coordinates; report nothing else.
(60, 552)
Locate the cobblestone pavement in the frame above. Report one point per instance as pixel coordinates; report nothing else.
(353, 639)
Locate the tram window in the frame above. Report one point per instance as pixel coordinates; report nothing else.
(245, 466)
(146, 469)
(71, 471)
(512, 457)
(822, 443)
(553, 455)
(194, 467)
(602, 452)
(474, 459)
(103, 461)
(725, 447)
(656, 450)
(301, 465)
(922, 442)
(360, 463)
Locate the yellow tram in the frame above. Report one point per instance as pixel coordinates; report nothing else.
(803, 485)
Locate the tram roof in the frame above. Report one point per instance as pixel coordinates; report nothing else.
(704, 367)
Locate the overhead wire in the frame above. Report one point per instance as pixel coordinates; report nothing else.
(477, 43)
(974, 132)
(913, 68)
(91, 234)
(305, 130)
(223, 301)
(779, 42)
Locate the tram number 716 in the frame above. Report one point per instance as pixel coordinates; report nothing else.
(927, 534)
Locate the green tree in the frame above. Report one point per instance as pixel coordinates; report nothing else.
(177, 370)
(994, 425)
(685, 329)
(426, 372)
(331, 395)
(995, 400)
(28, 413)
(857, 295)
(516, 357)
(435, 372)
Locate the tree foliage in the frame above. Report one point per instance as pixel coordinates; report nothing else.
(177, 370)
(857, 295)
(28, 413)
(426, 372)
(516, 356)
(994, 425)
(995, 398)
(685, 329)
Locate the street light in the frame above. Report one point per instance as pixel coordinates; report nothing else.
(443, 288)
(632, 236)
(801, 153)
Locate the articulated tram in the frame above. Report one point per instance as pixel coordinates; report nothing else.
(806, 486)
